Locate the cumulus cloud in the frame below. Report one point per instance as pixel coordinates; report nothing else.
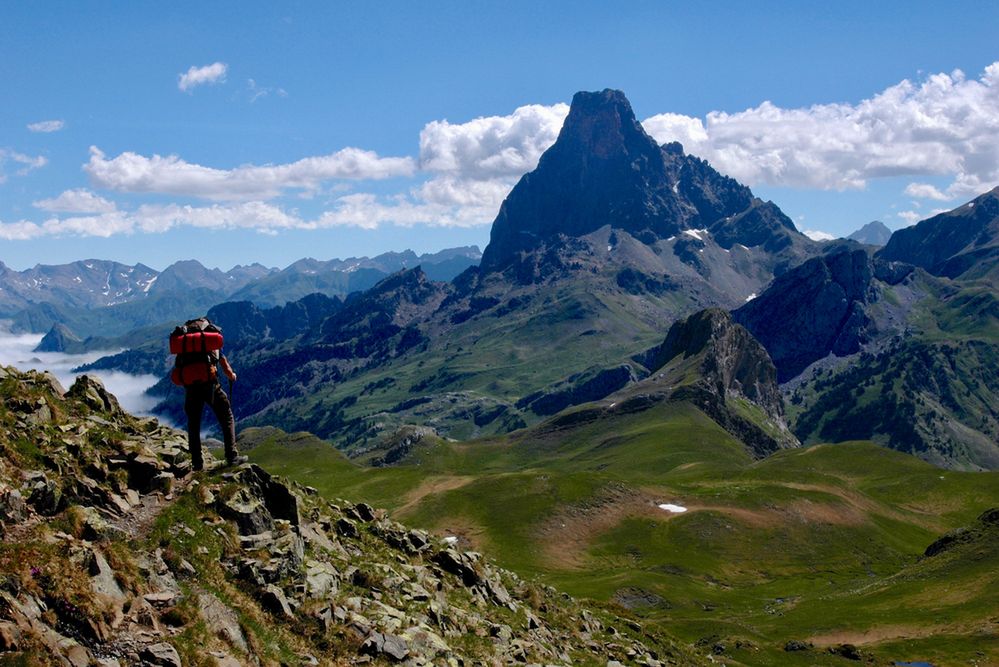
(25, 163)
(818, 235)
(130, 172)
(947, 125)
(474, 165)
(200, 76)
(47, 126)
(494, 146)
(925, 191)
(79, 200)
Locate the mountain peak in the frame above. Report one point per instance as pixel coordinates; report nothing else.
(605, 124)
(873, 233)
(605, 170)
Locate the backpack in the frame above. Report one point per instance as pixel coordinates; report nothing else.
(196, 345)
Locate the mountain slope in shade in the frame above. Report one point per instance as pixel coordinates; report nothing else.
(963, 242)
(873, 233)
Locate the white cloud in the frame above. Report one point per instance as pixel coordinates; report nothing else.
(818, 235)
(909, 217)
(200, 76)
(27, 163)
(79, 200)
(946, 125)
(130, 172)
(475, 164)
(925, 191)
(47, 126)
(361, 210)
(493, 146)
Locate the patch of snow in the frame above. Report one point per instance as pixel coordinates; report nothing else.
(971, 204)
(818, 235)
(670, 239)
(609, 247)
(77, 279)
(672, 509)
(750, 297)
(696, 233)
(676, 186)
(150, 283)
(89, 266)
(450, 539)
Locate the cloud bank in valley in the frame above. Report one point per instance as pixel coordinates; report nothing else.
(945, 126)
(18, 350)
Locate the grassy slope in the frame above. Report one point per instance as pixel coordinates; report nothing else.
(816, 544)
(581, 324)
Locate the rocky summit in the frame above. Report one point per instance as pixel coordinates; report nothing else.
(114, 553)
(605, 170)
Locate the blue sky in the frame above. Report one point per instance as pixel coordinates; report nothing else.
(338, 129)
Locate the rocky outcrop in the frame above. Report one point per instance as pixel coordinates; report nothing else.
(732, 362)
(716, 364)
(986, 527)
(813, 310)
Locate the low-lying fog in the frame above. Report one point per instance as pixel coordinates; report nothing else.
(17, 350)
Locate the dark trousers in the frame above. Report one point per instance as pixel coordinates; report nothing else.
(211, 394)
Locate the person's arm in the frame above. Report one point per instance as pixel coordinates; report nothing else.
(227, 369)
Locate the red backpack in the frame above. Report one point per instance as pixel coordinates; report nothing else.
(196, 344)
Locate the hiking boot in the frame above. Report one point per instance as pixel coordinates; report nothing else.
(236, 460)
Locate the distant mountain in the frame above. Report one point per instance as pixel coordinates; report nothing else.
(873, 233)
(963, 242)
(341, 277)
(89, 283)
(37, 298)
(191, 274)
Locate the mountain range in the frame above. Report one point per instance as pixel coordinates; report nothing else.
(593, 255)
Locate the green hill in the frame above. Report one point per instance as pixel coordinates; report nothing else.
(787, 549)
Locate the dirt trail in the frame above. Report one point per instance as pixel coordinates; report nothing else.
(431, 486)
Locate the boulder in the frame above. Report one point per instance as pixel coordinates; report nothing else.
(248, 512)
(273, 599)
(91, 391)
(162, 655)
(223, 621)
(392, 646)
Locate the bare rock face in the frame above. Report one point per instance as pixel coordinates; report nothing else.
(734, 363)
(813, 310)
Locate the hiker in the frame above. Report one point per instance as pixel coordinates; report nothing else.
(198, 346)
